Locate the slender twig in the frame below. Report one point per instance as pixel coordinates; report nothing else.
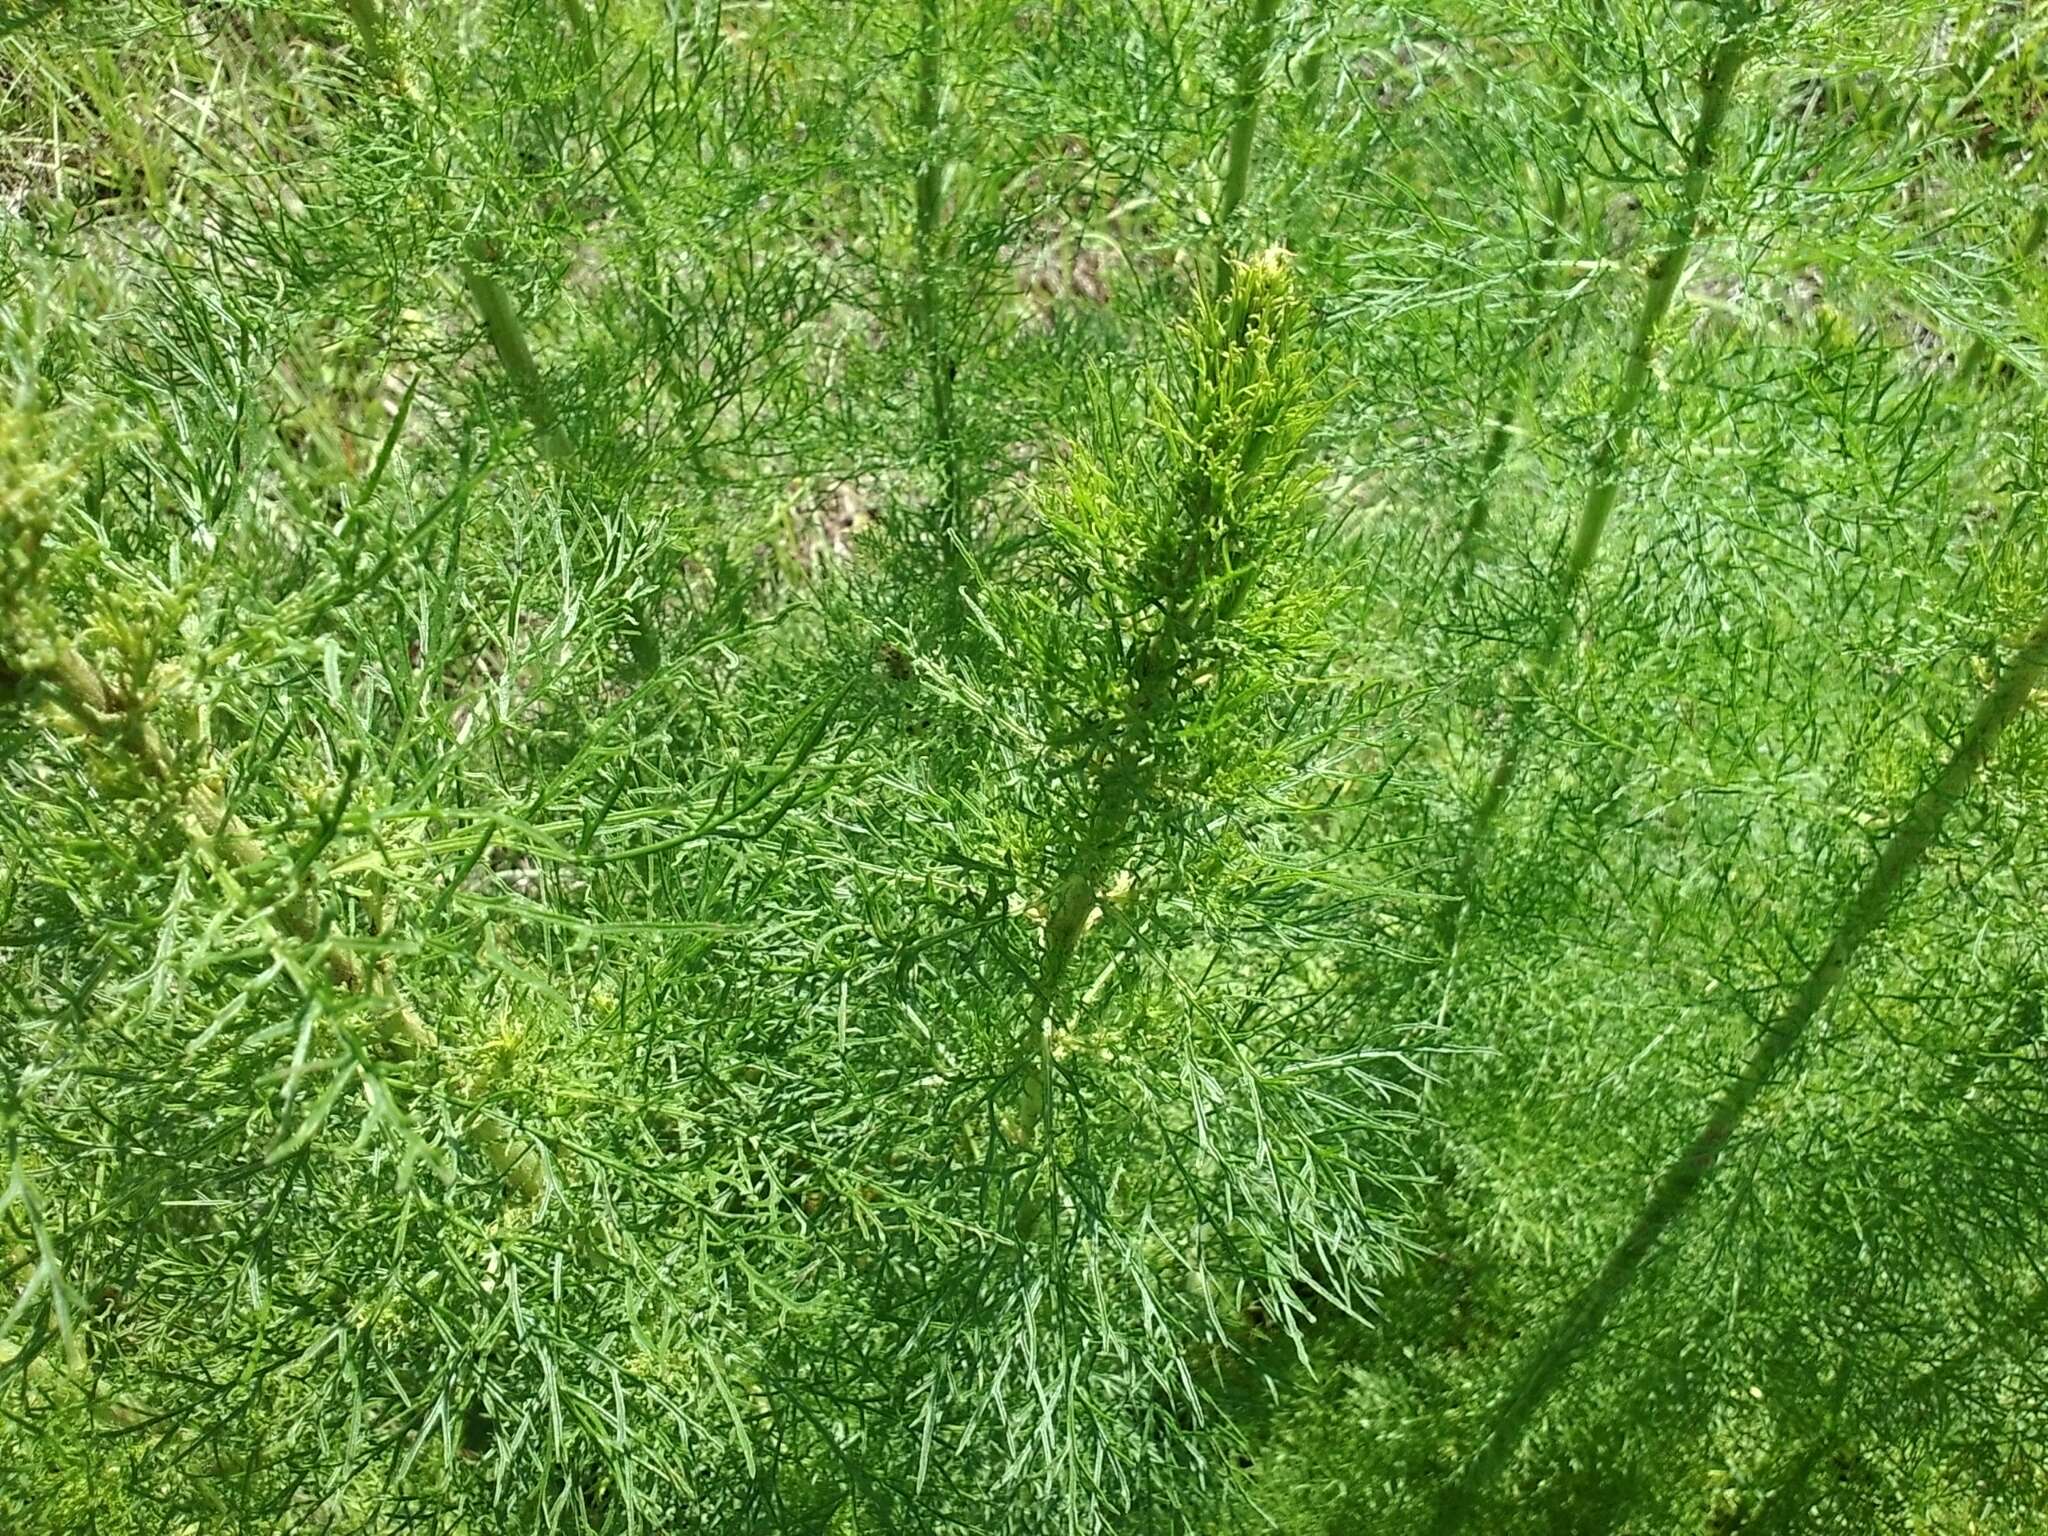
(1686, 1175)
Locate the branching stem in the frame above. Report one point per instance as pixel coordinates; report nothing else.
(1686, 1175)
(1501, 427)
(1197, 581)
(1609, 458)
(228, 845)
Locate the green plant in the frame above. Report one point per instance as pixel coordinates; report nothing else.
(1619, 425)
(1679, 1184)
(737, 778)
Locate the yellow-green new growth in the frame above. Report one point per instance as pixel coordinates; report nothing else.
(1190, 522)
(1178, 574)
(29, 479)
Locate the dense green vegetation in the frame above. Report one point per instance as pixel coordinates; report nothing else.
(1104, 765)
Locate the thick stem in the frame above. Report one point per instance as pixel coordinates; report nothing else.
(1074, 900)
(515, 355)
(1609, 457)
(1256, 43)
(1199, 575)
(376, 40)
(1685, 1176)
(1123, 777)
(1665, 273)
(1123, 774)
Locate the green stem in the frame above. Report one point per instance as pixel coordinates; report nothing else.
(1203, 586)
(1074, 900)
(1256, 43)
(515, 355)
(1124, 772)
(1500, 432)
(376, 40)
(493, 303)
(1686, 1175)
(615, 161)
(926, 322)
(1609, 457)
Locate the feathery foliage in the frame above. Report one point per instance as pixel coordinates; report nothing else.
(1049, 768)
